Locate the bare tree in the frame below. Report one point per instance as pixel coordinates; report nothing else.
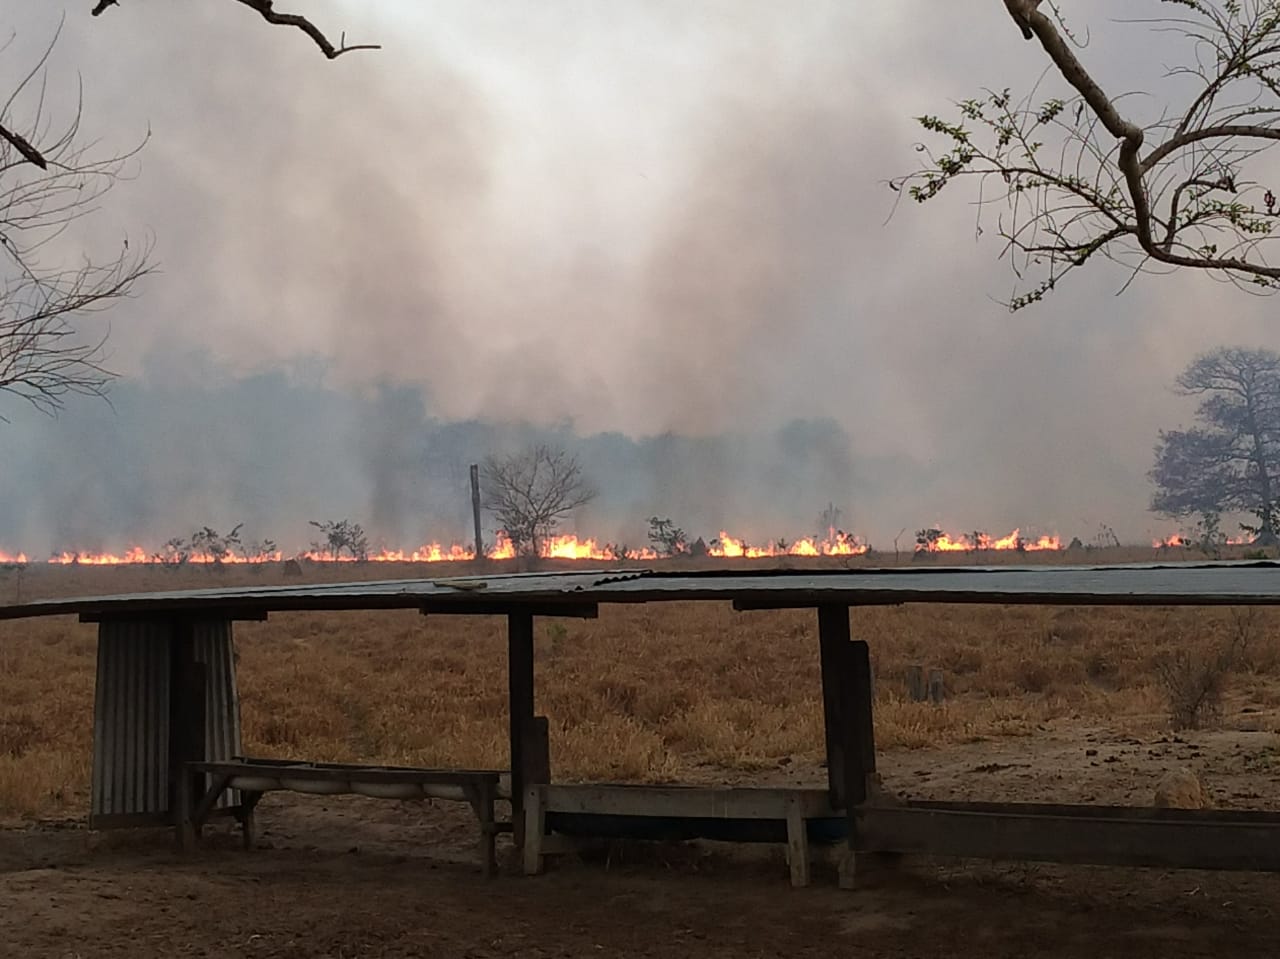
(1075, 179)
(531, 491)
(1232, 461)
(44, 355)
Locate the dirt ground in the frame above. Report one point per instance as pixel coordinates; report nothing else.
(352, 877)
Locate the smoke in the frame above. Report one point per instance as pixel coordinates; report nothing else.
(192, 444)
(660, 237)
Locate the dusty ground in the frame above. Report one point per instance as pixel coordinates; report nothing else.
(353, 877)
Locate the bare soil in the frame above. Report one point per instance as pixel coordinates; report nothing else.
(351, 877)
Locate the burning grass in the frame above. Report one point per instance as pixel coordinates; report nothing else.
(679, 691)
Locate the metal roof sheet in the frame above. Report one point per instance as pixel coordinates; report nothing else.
(1219, 583)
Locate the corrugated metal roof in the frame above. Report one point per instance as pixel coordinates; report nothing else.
(1134, 584)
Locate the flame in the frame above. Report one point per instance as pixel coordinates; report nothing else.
(836, 543)
(833, 543)
(1173, 542)
(978, 542)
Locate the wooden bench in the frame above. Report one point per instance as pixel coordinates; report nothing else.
(254, 777)
(659, 812)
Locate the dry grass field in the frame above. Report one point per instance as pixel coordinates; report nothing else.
(680, 691)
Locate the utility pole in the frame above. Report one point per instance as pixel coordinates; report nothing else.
(475, 508)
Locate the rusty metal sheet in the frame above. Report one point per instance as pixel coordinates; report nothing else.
(131, 724)
(1133, 584)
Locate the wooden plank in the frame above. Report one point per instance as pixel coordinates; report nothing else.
(466, 605)
(797, 841)
(349, 774)
(833, 638)
(520, 708)
(1080, 838)
(1080, 810)
(143, 616)
(685, 801)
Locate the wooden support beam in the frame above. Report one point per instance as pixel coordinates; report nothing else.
(454, 607)
(230, 613)
(187, 718)
(797, 841)
(833, 640)
(520, 706)
(861, 717)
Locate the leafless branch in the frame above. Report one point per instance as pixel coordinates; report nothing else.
(267, 9)
(44, 354)
(531, 491)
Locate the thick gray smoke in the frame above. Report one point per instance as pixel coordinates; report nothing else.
(274, 452)
(656, 232)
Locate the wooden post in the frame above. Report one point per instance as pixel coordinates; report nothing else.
(860, 721)
(915, 684)
(833, 639)
(187, 720)
(936, 690)
(475, 509)
(520, 685)
(797, 842)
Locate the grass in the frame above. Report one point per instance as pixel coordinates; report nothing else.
(680, 691)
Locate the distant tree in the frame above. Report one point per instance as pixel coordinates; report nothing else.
(1231, 462)
(531, 491)
(927, 539)
(207, 541)
(667, 538)
(342, 536)
(698, 548)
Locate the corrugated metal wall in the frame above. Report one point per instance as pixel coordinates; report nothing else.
(215, 649)
(131, 721)
(131, 734)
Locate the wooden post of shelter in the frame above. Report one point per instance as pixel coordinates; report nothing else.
(475, 508)
(520, 683)
(833, 637)
(187, 724)
(848, 720)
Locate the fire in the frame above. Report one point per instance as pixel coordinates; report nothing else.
(979, 542)
(570, 547)
(836, 543)
(1184, 542)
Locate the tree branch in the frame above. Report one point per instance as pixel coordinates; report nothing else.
(267, 10)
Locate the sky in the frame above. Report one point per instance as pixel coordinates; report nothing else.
(635, 217)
